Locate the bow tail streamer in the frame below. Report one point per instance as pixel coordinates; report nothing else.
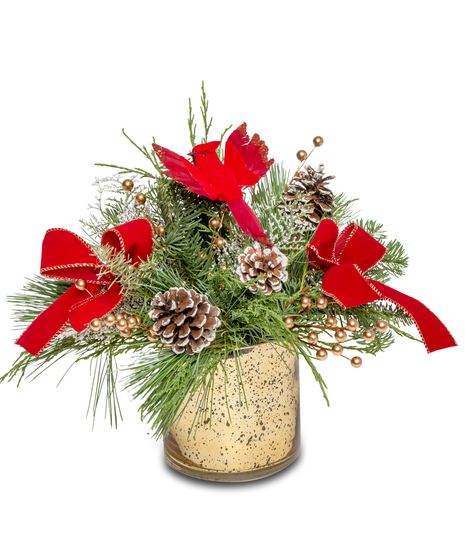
(434, 333)
(51, 322)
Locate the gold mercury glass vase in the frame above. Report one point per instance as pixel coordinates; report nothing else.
(252, 441)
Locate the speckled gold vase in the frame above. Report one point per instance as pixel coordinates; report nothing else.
(259, 439)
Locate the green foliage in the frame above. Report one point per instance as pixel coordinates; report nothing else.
(164, 381)
(105, 376)
(395, 261)
(344, 213)
(185, 256)
(204, 111)
(192, 126)
(36, 296)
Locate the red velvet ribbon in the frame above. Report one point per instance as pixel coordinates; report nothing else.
(67, 256)
(346, 257)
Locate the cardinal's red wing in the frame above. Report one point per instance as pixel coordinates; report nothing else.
(246, 158)
(248, 221)
(235, 163)
(185, 172)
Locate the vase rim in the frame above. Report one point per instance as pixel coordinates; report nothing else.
(245, 350)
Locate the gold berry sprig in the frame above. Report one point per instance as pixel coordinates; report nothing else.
(340, 332)
(124, 322)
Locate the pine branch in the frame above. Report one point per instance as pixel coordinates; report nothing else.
(145, 153)
(163, 380)
(35, 296)
(105, 376)
(150, 155)
(204, 110)
(142, 173)
(192, 127)
(220, 150)
(343, 212)
(395, 261)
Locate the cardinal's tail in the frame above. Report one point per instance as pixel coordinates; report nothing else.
(247, 220)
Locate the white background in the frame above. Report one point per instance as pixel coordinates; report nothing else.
(382, 470)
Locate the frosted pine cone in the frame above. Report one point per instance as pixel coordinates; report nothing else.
(268, 264)
(185, 319)
(308, 198)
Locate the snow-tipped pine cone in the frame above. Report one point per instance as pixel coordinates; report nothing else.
(268, 264)
(185, 319)
(308, 198)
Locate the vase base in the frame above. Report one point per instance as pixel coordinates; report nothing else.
(181, 464)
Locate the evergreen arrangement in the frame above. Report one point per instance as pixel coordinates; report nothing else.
(223, 272)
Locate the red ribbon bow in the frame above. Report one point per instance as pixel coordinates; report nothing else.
(67, 256)
(346, 257)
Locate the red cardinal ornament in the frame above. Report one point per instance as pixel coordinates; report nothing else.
(245, 162)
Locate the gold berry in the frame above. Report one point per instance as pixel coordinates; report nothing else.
(160, 230)
(312, 338)
(128, 184)
(214, 223)
(330, 321)
(119, 316)
(337, 349)
(352, 324)
(321, 302)
(96, 325)
(132, 322)
(289, 322)
(381, 325)
(305, 302)
(322, 354)
(368, 335)
(356, 362)
(340, 335)
(141, 198)
(110, 319)
(318, 141)
(81, 284)
(220, 243)
(301, 155)
(122, 324)
(126, 333)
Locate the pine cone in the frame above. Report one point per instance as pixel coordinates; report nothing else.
(308, 197)
(269, 264)
(185, 319)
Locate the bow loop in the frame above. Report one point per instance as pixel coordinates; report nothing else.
(355, 246)
(320, 252)
(68, 257)
(134, 239)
